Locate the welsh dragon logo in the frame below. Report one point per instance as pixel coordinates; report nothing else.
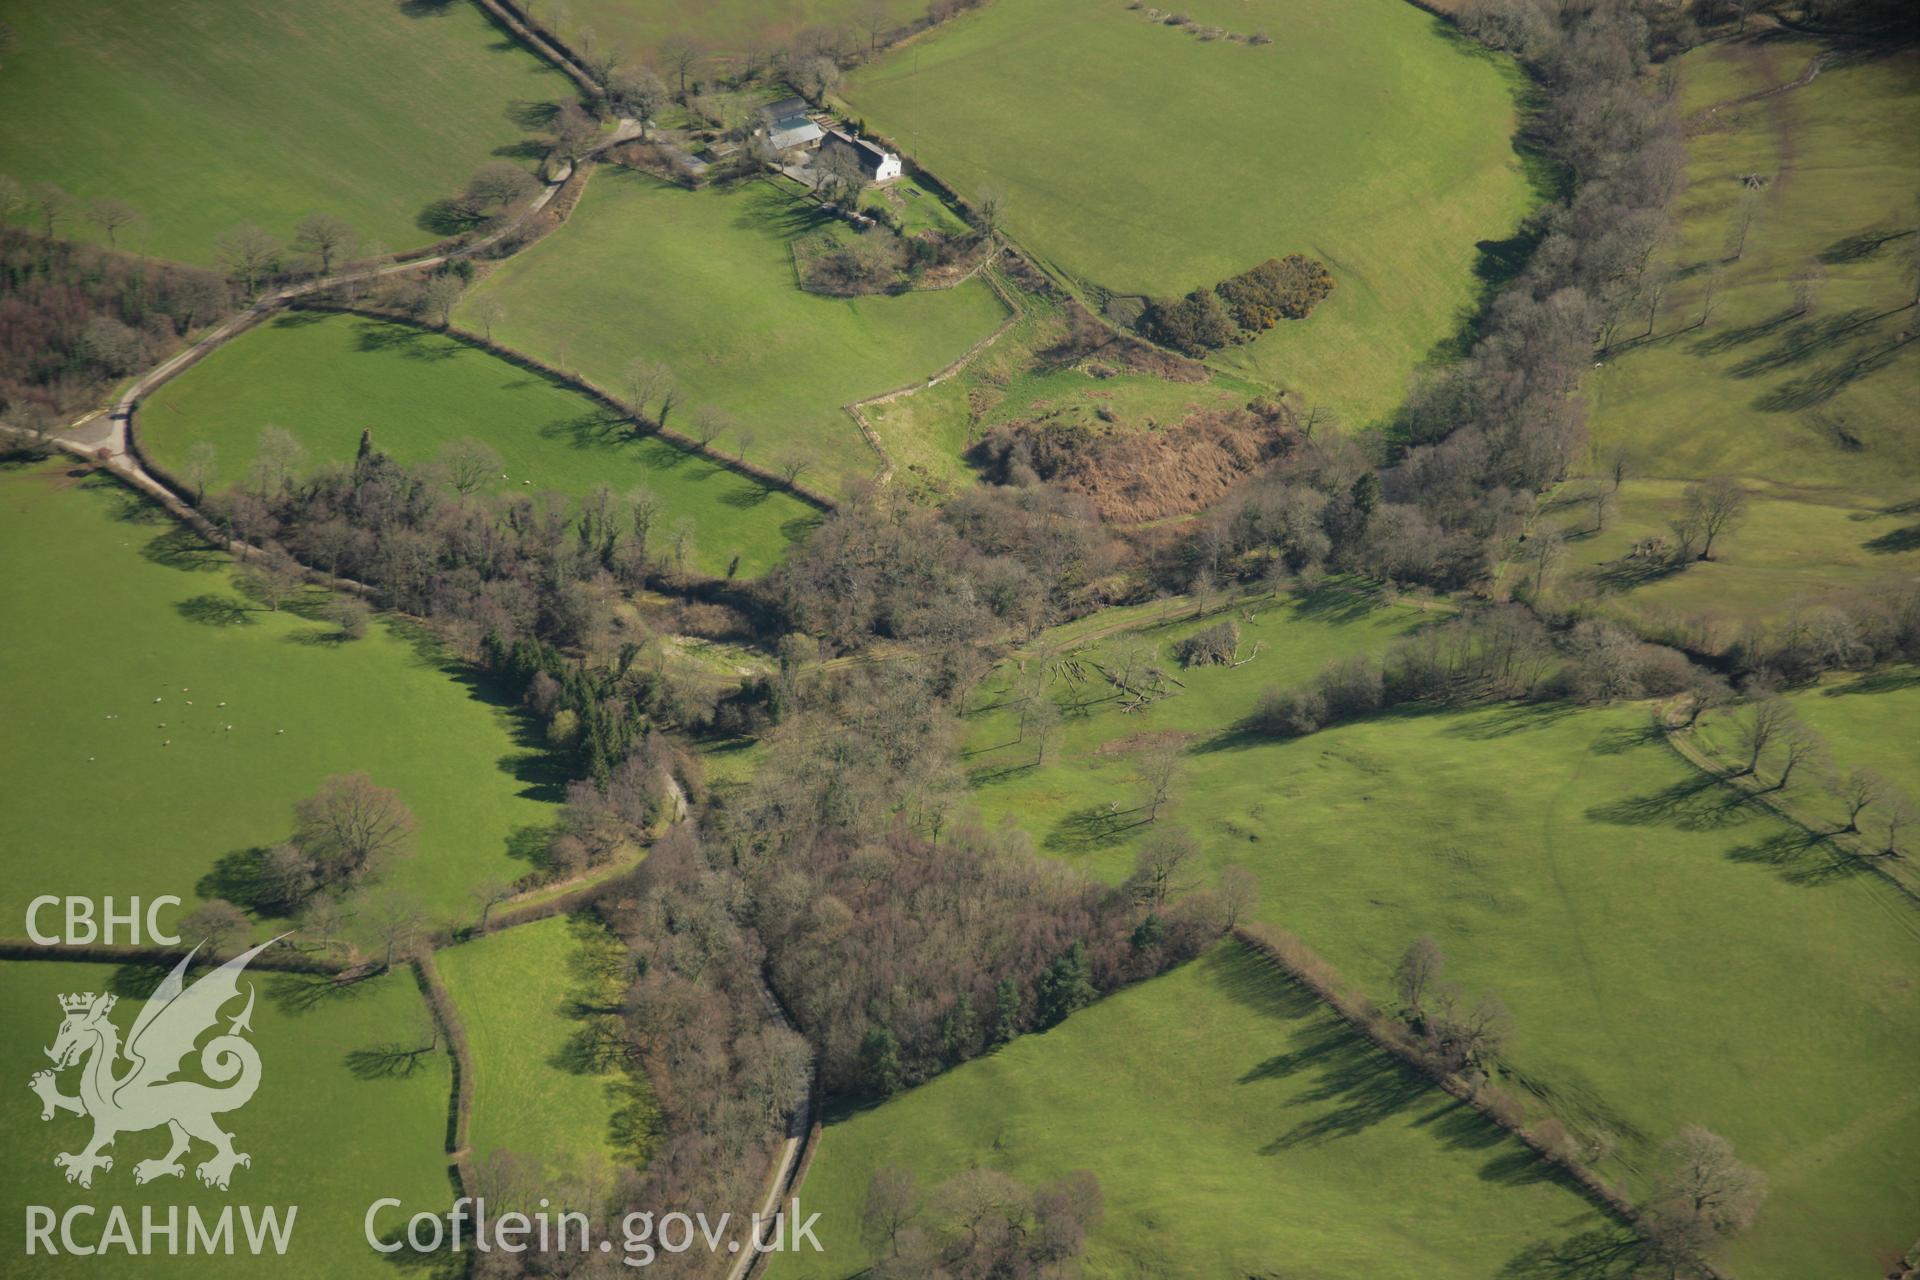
(145, 1094)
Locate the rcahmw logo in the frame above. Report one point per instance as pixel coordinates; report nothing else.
(131, 1088)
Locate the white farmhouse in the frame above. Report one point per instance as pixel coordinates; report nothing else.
(878, 165)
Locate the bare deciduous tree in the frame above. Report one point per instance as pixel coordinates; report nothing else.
(1419, 969)
(469, 464)
(1239, 894)
(1765, 723)
(1157, 766)
(1702, 1193)
(678, 55)
(1709, 509)
(1859, 791)
(324, 236)
(1160, 868)
(487, 895)
(488, 312)
(1799, 745)
(398, 921)
(248, 253)
(218, 922)
(110, 215)
(200, 468)
(442, 291)
(52, 202)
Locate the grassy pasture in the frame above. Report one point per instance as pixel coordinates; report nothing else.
(344, 1116)
(1813, 412)
(1366, 135)
(324, 377)
(539, 1091)
(1235, 1126)
(720, 31)
(108, 605)
(704, 283)
(1671, 956)
(205, 114)
(1866, 722)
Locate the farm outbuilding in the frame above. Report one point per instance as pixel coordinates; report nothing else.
(789, 126)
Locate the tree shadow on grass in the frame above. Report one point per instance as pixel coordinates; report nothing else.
(181, 548)
(529, 844)
(1624, 738)
(301, 992)
(1090, 829)
(389, 1061)
(416, 344)
(1802, 342)
(1696, 803)
(1510, 718)
(530, 113)
(747, 496)
(1623, 575)
(446, 217)
(1895, 541)
(594, 429)
(215, 610)
(1890, 680)
(1860, 246)
(238, 877)
(1358, 1085)
(1604, 1253)
(1798, 857)
(1823, 385)
(1728, 339)
(1338, 604)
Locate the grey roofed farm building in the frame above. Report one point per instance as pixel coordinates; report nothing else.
(788, 125)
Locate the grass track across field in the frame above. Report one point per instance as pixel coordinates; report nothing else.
(1237, 1128)
(205, 114)
(324, 377)
(1671, 954)
(1136, 157)
(107, 604)
(703, 282)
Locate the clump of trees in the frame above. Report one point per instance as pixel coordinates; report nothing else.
(1454, 1034)
(1214, 646)
(980, 1222)
(74, 318)
(345, 834)
(1239, 308)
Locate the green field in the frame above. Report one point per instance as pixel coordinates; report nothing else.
(324, 377)
(1670, 957)
(205, 114)
(1366, 135)
(1865, 722)
(1237, 1129)
(720, 31)
(1813, 412)
(538, 1089)
(113, 618)
(703, 282)
(345, 1114)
